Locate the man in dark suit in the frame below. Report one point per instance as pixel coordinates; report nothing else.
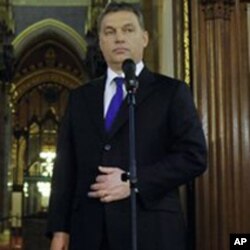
(90, 205)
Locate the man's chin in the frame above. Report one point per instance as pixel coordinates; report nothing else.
(120, 58)
(119, 61)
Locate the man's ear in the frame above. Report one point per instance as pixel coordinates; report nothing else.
(100, 44)
(146, 38)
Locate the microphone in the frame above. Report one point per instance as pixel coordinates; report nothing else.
(128, 68)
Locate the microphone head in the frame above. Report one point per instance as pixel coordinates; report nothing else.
(128, 66)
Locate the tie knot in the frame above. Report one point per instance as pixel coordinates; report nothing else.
(119, 81)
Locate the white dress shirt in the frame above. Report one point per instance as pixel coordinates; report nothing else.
(110, 87)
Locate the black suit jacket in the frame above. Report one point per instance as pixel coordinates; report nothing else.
(170, 151)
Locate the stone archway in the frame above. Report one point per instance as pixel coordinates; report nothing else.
(69, 35)
(49, 62)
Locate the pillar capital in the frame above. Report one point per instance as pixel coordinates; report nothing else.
(205, 2)
(217, 9)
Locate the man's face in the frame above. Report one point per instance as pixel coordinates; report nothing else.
(121, 37)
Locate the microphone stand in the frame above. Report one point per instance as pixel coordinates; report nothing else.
(131, 89)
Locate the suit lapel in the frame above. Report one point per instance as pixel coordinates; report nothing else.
(146, 86)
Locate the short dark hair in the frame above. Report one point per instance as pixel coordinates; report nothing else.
(121, 6)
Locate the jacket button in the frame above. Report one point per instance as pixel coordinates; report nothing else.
(107, 147)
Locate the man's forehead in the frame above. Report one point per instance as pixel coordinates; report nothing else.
(118, 25)
(120, 17)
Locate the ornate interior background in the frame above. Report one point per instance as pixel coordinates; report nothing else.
(50, 47)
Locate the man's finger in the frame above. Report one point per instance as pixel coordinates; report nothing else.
(97, 186)
(107, 199)
(97, 194)
(107, 170)
(92, 194)
(101, 178)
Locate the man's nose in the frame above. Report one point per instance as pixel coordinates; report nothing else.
(120, 36)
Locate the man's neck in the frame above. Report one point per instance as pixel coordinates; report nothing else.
(117, 68)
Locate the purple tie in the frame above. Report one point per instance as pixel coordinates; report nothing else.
(115, 103)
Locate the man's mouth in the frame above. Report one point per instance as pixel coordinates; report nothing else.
(120, 50)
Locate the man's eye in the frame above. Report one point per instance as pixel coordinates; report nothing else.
(128, 30)
(109, 32)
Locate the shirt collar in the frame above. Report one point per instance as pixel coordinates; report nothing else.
(111, 74)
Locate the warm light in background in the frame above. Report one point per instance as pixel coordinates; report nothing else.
(48, 158)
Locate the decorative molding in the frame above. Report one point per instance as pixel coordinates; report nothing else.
(218, 1)
(218, 9)
(50, 24)
(40, 76)
(51, 3)
(186, 42)
(182, 40)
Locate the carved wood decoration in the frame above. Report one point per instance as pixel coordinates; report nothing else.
(217, 9)
(222, 93)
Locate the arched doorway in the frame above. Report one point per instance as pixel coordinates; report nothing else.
(49, 62)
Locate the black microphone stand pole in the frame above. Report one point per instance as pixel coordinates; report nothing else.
(131, 86)
(132, 164)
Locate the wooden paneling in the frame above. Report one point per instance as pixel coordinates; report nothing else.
(221, 86)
